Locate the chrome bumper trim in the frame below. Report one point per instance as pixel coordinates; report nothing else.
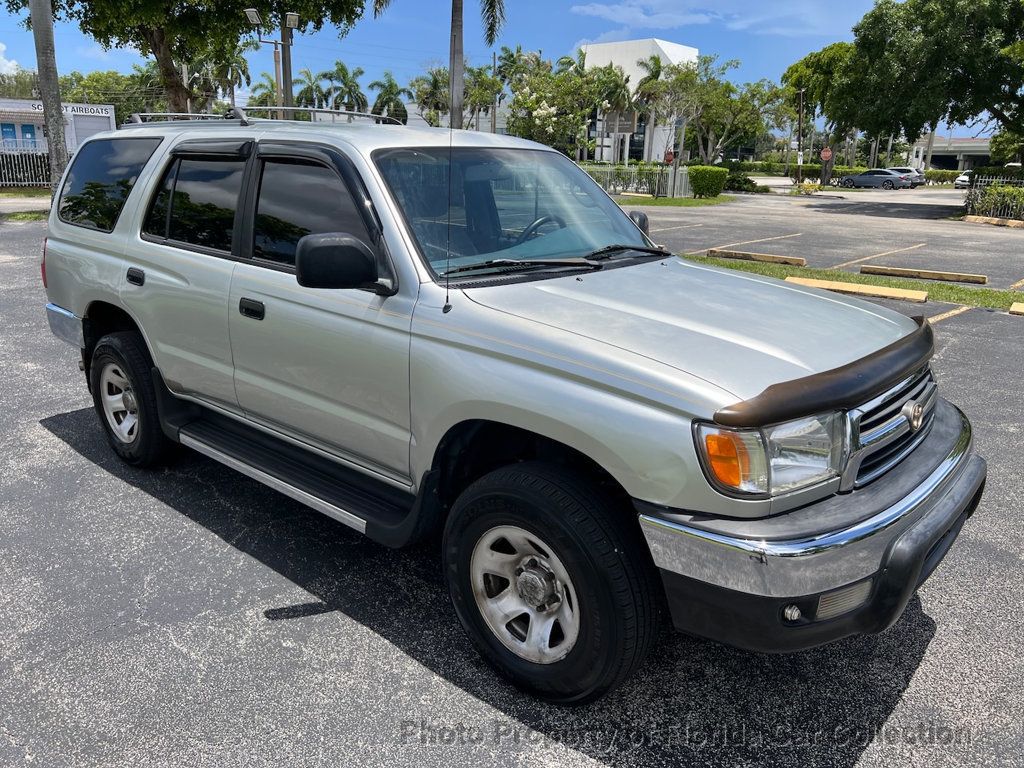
(800, 566)
(65, 325)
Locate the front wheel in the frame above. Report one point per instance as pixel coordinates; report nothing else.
(552, 580)
(848, 183)
(887, 184)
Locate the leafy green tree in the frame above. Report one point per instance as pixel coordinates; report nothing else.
(174, 32)
(135, 92)
(554, 108)
(430, 91)
(19, 84)
(1007, 147)
(390, 98)
(492, 13)
(344, 91)
(482, 90)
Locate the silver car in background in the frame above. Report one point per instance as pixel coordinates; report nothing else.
(878, 177)
(916, 175)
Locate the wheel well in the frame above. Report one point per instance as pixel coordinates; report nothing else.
(100, 319)
(471, 449)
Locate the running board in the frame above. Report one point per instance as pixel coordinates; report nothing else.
(382, 512)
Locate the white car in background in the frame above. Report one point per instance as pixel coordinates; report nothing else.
(963, 181)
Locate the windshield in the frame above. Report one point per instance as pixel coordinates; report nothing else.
(508, 204)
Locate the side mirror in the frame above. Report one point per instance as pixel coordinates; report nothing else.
(334, 260)
(640, 219)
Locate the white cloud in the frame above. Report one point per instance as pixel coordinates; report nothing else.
(792, 18)
(94, 51)
(7, 66)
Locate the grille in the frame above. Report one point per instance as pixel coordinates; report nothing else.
(882, 433)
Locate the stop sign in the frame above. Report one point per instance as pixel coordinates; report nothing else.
(826, 154)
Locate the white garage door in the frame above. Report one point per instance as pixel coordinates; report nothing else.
(87, 125)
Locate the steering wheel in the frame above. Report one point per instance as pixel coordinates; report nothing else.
(531, 230)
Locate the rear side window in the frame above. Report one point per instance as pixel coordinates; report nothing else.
(102, 174)
(196, 202)
(297, 199)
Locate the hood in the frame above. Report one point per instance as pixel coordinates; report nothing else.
(739, 331)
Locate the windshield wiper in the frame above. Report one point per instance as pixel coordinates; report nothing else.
(524, 264)
(607, 251)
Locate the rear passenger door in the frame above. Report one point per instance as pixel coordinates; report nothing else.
(329, 368)
(179, 267)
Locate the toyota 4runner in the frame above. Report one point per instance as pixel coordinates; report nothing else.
(422, 332)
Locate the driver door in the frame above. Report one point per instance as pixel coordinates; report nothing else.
(329, 368)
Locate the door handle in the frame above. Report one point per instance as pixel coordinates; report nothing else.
(251, 308)
(136, 276)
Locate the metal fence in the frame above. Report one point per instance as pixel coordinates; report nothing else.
(24, 168)
(996, 196)
(658, 181)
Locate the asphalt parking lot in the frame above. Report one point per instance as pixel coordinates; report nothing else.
(193, 617)
(905, 228)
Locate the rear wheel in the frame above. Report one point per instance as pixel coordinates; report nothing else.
(887, 184)
(125, 399)
(552, 580)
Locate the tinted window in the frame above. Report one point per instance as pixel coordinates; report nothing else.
(204, 197)
(102, 174)
(156, 219)
(298, 199)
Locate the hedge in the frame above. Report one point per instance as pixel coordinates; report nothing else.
(1000, 172)
(707, 180)
(941, 177)
(1000, 200)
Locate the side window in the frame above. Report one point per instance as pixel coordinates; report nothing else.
(156, 220)
(299, 198)
(102, 174)
(204, 199)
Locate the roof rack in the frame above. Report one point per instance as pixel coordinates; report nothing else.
(323, 111)
(233, 113)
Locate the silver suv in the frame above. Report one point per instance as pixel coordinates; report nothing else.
(459, 337)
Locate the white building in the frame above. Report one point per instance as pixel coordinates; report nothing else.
(646, 142)
(22, 124)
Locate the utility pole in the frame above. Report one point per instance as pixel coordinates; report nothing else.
(277, 81)
(286, 64)
(494, 107)
(49, 88)
(800, 141)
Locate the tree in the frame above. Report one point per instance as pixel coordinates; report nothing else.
(648, 91)
(311, 92)
(344, 91)
(390, 97)
(232, 71)
(482, 90)
(1007, 147)
(174, 32)
(493, 14)
(128, 94)
(49, 88)
(430, 92)
(554, 108)
(264, 92)
(19, 84)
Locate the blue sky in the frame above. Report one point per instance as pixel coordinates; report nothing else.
(765, 35)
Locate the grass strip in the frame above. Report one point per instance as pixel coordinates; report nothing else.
(943, 292)
(674, 202)
(25, 216)
(25, 192)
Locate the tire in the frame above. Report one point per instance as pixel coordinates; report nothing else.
(120, 361)
(887, 184)
(849, 183)
(606, 617)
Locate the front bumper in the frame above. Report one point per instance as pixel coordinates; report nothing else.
(849, 563)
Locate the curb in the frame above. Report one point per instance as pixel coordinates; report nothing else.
(995, 221)
(1017, 308)
(793, 261)
(858, 289)
(924, 274)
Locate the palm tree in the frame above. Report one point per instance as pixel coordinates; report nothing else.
(646, 94)
(344, 91)
(49, 88)
(577, 65)
(431, 94)
(311, 91)
(493, 14)
(264, 92)
(390, 97)
(233, 71)
(615, 97)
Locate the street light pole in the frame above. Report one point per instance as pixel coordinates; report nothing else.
(277, 81)
(800, 141)
(282, 59)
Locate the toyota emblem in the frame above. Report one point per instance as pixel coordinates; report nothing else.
(913, 411)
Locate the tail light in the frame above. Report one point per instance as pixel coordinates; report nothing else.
(42, 266)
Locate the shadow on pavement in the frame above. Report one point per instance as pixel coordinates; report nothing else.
(893, 210)
(694, 702)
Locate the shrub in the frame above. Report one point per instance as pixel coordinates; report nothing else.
(707, 180)
(740, 182)
(1000, 172)
(999, 200)
(941, 177)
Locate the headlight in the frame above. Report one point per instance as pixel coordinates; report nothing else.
(773, 460)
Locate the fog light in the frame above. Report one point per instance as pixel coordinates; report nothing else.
(791, 613)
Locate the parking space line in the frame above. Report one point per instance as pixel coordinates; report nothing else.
(851, 262)
(681, 226)
(946, 315)
(744, 242)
